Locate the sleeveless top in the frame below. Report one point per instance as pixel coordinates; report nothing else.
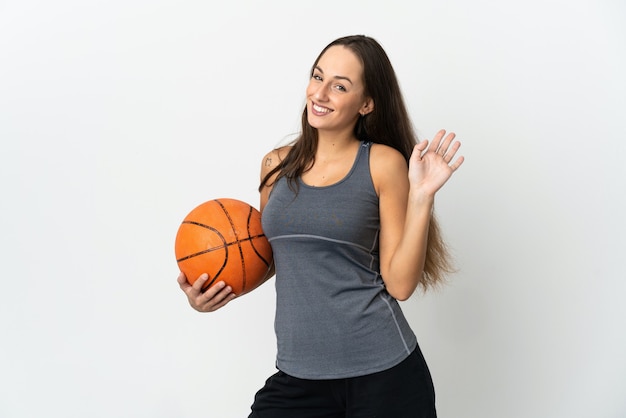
(334, 317)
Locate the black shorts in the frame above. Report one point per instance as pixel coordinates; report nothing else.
(404, 391)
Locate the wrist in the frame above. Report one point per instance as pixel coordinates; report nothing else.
(420, 197)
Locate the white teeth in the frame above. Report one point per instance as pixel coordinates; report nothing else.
(320, 109)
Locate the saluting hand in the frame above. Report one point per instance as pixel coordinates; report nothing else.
(431, 165)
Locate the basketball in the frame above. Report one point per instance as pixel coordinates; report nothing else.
(224, 238)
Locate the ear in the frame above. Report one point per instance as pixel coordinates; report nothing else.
(367, 107)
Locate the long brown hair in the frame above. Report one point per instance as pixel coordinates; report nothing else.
(387, 124)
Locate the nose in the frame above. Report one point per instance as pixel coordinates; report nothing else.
(321, 92)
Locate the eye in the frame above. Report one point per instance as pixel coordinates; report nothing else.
(340, 87)
(316, 77)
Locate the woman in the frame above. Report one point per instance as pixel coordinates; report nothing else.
(348, 210)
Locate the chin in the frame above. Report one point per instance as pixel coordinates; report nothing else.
(312, 122)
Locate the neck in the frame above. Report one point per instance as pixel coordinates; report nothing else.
(330, 144)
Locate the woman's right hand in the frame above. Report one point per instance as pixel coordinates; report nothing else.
(208, 300)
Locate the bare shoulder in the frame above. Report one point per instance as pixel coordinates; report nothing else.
(272, 159)
(386, 164)
(386, 154)
(388, 168)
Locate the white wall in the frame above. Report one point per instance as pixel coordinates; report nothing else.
(118, 117)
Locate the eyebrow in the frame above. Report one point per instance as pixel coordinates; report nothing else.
(337, 77)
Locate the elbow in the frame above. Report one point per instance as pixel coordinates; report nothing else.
(401, 293)
(403, 296)
(400, 286)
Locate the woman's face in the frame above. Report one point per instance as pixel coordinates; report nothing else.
(335, 94)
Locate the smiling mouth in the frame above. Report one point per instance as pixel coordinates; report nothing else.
(320, 109)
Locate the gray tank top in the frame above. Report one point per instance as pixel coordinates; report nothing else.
(334, 318)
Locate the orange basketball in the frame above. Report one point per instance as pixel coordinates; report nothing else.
(224, 238)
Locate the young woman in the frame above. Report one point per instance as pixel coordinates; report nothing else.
(348, 210)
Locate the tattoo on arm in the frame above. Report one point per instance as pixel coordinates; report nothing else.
(268, 161)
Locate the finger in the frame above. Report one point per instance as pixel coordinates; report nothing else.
(457, 163)
(223, 302)
(212, 291)
(445, 145)
(451, 151)
(217, 296)
(419, 148)
(435, 144)
(200, 283)
(182, 281)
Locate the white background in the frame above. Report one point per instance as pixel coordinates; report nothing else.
(118, 117)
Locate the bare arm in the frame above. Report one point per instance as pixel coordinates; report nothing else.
(406, 202)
